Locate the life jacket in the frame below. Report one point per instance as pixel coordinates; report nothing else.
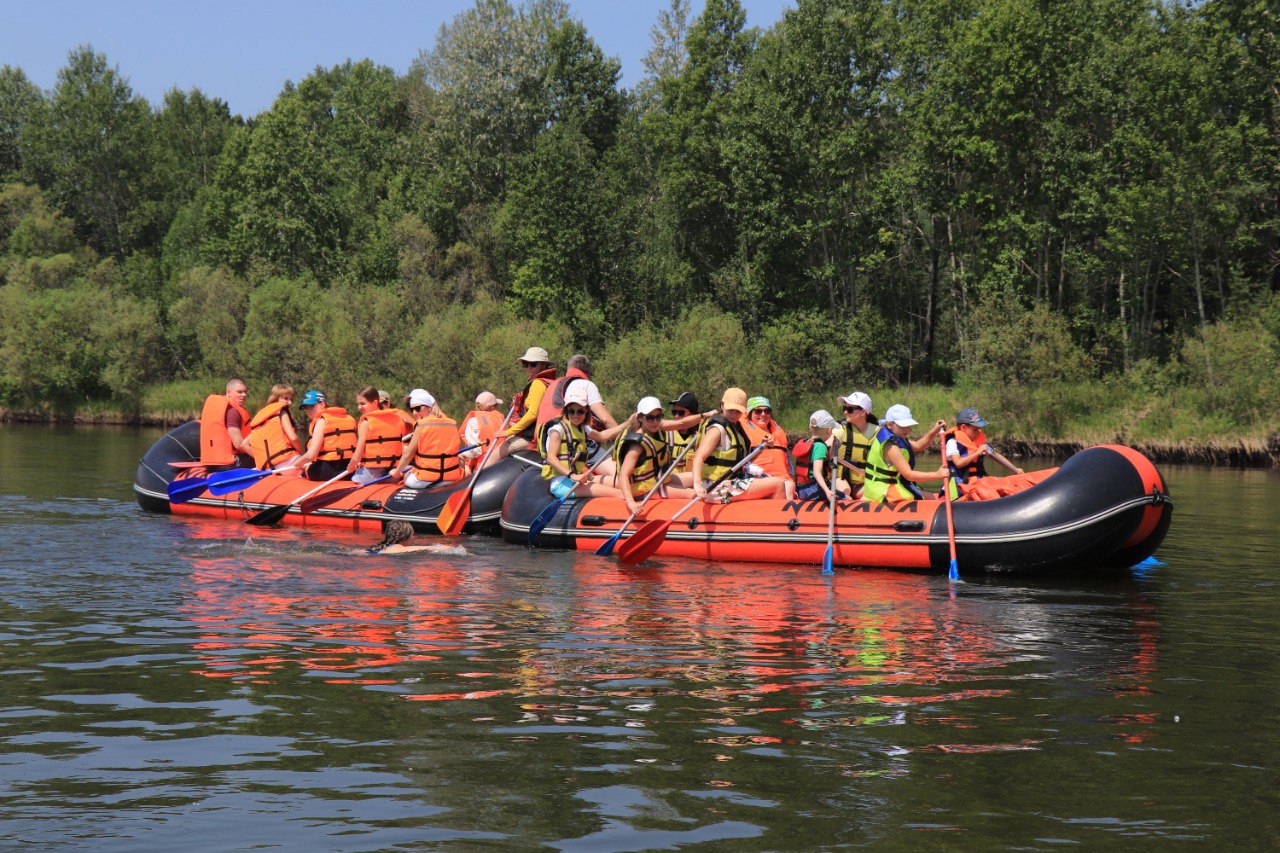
(774, 459)
(215, 441)
(803, 454)
(854, 446)
(546, 377)
(573, 447)
(436, 457)
(487, 423)
(339, 435)
(552, 405)
(268, 441)
(881, 475)
(382, 445)
(655, 456)
(677, 439)
(975, 469)
(409, 422)
(720, 461)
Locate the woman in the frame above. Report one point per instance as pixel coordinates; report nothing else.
(891, 476)
(758, 424)
(333, 438)
(378, 434)
(812, 475)
(480, 426)
(643, 456)
(682, 407)
(433, 447)
(854, 439)
(273, 440)
(398, 539)
(723, 445)
(563, 441)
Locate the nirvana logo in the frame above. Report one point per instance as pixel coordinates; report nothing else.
(820, 505)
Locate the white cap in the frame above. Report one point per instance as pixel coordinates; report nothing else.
(419, 397)
(486, 398)
(900, 415)
(647, 405)
(859, 399)
(822, 419)
(577, 393)
(535, 354)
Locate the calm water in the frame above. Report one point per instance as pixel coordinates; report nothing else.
(168, 683)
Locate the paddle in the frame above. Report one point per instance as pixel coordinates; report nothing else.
(828, 559)
(549, 512)
(310, 505)
(641, 544)
(181, 491)
(607, 548)
(273, 514)
(953, 572)
(457, 509)
(226, 482)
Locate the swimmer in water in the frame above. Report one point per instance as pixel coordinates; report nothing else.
(398, 539)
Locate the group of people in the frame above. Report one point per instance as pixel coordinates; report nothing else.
(683, 452)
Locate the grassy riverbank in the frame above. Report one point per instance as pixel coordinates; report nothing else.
(1050, 421)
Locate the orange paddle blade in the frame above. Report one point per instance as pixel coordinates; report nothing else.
(454, 514)
(641, 544)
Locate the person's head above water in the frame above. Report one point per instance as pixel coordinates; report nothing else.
(396, 533)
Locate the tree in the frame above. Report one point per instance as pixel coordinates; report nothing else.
(20, 101)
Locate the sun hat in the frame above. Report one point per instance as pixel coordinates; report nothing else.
(734, 398)
(647, 405)
(859, 399)
(535, 355)
(419, 397)
(486, 398)
(758, 403)
(822, 419)
(686, 400)
(970, 416)
(900, 415)
(312, 397)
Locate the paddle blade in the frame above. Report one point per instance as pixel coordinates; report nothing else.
(828, 560)
(453, 516)
(953, 573)
(312, 504)
(181, 491)
(641, 544)
(270, 515)
(226, 482)
(606, 549)
(544, 518)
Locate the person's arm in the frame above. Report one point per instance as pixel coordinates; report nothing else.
(554, 440)
(893, 455)
(629, 460)
(599, 410)
(956, 458)
(532, 401)
(290, 434)
(922, 443)
(686, 422)
(601, 436)
(710, 440)
(362, 433)
(410, 446)
(314, 445)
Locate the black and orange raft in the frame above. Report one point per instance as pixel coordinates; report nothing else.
(1106, 506)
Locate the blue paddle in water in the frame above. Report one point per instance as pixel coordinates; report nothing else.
(189, 488)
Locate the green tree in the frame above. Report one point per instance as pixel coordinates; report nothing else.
(20, 101)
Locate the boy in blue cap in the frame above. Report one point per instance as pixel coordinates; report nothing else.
(966, 447)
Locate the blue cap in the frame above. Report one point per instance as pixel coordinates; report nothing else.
(971, 417)
(312, 397)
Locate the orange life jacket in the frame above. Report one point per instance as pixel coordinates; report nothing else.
(488, 424)
(774, 459)
(436, 457)
(976, 468)
(268, 441)
(215, 441)
(552, 405)
(339, 435)
(382, 446)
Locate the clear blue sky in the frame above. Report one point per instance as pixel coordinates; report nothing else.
(243, 52)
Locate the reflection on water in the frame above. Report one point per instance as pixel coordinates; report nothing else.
(166, 680)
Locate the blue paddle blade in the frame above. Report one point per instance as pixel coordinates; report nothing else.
(828, 561)
(543, 519)
(181, 491)
(1148, 563)
(226, 482)
(953, 573)
(606, 550)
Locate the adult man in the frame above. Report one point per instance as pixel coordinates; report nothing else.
(224, 429)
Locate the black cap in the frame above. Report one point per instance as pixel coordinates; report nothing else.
(686, 401)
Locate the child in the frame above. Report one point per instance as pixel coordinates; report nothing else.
(812, 477)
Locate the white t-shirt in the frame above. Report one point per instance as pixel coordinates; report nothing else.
(953, 448)
(471, 435)
(588, 387)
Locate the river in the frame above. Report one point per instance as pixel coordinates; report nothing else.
(169, 683)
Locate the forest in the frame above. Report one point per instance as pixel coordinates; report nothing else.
(1067, 213)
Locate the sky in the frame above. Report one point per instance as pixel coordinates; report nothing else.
(243, 52)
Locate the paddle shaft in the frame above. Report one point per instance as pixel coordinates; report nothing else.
(549, 511)
(829, 558)
(272, 514)
(953, 571)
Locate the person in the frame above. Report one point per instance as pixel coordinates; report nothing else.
(224, 429)
(522, 430)
(433, 447)
(333, 438)
(644, 455)
(853, 439)
(891, 476)
(577, 374)
(397, 538)
(563, 442)
(479, 427)
(966, 447)
(682, 407)
(378, 438)
(813, 477)
(723, 445)
(273, 439)
(758, 424)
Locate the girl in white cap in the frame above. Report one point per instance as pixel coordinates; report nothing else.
(813, 472)
(644, 455)
(563, 441)
(891, 476)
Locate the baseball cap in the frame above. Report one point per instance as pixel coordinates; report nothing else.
(734, 398)
(486, 398)
(970, 416)
(686, 400)
(384, 397)
(859, 399)
(900, 415)
(822, 419)
(419, 397)
(758, 403)
(312, 397)
(536, 355)
(647, 405)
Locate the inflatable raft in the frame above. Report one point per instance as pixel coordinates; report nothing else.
(1106, 506)
(363, 510)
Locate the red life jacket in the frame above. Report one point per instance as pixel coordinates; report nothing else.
(215, 441)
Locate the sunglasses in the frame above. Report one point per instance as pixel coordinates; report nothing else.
(574, 411)
(652, 418)
(853, 408)
(679, 413)
(762, 411)
(415, 408)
